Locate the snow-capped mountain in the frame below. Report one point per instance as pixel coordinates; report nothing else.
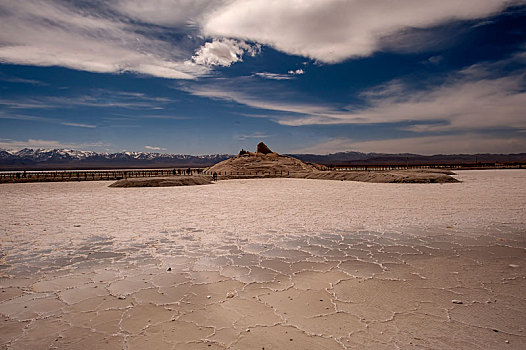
(51, 154)
(70, 159)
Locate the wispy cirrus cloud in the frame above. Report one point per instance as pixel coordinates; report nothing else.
(18, 116)
(273, 76)
(477, 97)
(255, 135)
(24, 103)
(276, 76)
(155, 148)
(470, 99)
(79, 125)
(98, 98)
(15, 145)
(17, 80)
(51, 120)
(242, 90)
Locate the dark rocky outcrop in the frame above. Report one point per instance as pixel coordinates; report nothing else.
(263, 149)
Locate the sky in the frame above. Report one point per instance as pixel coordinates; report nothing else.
(318, 76)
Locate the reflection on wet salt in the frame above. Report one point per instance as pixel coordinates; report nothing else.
(243, 264)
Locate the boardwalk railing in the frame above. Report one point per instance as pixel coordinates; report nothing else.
(91, 175)
(249, 173)
(386, 167)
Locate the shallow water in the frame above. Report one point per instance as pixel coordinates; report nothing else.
(273, 263)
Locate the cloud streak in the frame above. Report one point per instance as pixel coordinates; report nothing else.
(15, 145)
(101, 98)
(266, 97)
(79, 125)
(154, 148)
(470, 99)
(273, 76)
(255, 135)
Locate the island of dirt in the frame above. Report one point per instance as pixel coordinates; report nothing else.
(265, 163)
(163, 181)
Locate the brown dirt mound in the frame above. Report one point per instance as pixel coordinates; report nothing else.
(163, 181)
(259, 163)
(265, 163)
(393, 176)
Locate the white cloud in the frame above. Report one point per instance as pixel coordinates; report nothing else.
(22, 81)
(296, 72)
(256, 135)
(468, 100)
(277, 76)
(155, 148)
(260, 97)
(15, 116)
(435, 59)
(98, 98)
(55, 33)
(118, 36)
(273, 76)
(57, 121)
(223, 52)
(165, 12)
(16, 145)
(334, 30)
(446, 144)
(160, 116)
(80, 125)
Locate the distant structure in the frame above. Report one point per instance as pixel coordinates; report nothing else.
(263, 149)
(263, 162)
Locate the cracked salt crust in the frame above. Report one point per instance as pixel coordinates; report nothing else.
(271, 263)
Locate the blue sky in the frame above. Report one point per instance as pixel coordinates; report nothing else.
(320, 76)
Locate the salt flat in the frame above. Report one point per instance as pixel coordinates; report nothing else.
(267, 263)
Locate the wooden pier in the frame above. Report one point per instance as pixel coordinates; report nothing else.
(90, 175)
(453, 166)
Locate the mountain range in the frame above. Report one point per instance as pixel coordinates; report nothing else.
(32, 159)
(48, 159)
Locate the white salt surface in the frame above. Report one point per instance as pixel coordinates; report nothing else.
(267, 263)
(49, 212)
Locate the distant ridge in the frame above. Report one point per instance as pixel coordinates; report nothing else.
(33, 159)
(73, 159)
